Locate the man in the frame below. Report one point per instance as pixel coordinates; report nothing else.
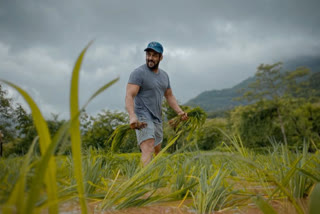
(147, 86)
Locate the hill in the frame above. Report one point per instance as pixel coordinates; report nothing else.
(221, 100)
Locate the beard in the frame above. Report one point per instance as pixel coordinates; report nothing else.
(154, 66)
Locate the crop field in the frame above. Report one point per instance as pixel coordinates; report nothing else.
(278, 181)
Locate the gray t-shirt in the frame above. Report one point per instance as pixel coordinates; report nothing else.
(148, 101)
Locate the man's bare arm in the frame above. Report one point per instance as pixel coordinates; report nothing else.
(131, 92)
(174, 104)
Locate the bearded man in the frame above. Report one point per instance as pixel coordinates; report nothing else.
(146, 88)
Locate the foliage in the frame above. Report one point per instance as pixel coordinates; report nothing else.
(208, 180)
(169, 113)
(314, 201)
(7, 117)
(27, 131)
(314, 83)
(18, 126)
(188, 128)
(258, 123)
(47, 177)
(196, 118)
(123, 133)
(118, 136)
(209, 135)
(102, 126)
(255, 123)
(273, 84)
(211, 192)
(304, 123)
(45, 172)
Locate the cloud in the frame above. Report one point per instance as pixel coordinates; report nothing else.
(207, 44)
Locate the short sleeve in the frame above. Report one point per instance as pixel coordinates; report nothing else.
(167, 76)
(135, 78)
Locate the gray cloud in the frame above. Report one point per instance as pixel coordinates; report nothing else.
(208, 44)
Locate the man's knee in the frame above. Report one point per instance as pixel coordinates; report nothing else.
(147, 146)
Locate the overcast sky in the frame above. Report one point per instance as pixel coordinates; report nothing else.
(208, 44)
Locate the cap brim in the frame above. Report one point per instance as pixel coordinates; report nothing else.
(153, 50)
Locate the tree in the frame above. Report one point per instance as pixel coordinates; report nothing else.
(27, 130)
(209, 135)
(7, 119)
(97, 131)
(256, 123)
(274, 85)
(305, 123)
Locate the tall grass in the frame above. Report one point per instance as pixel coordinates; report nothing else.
(207, 181)
(49, 175)
(211, 192)
(45, 172)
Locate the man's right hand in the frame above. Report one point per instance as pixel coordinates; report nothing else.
(135, 124)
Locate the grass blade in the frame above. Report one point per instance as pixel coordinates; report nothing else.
(45, 141)
(314, 205)
(75, 130)
(41, 169)
(264, 206)
(17, 196)
(100, 90)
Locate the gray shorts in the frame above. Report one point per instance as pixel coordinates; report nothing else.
(152, 131)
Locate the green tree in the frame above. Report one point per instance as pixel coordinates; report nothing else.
(209, 135)
(274, 85)
(98, 129)
(314, 84)
(256, 123)
(27, 130)
(7, 118)
(305, 123)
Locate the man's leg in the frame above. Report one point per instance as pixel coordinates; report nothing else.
(157, 149)
(147, 150)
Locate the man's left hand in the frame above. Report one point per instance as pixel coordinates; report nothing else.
(183, 115)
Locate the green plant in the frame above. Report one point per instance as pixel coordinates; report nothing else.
(45, 172)
(211, 193)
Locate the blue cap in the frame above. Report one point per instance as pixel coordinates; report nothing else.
(156, 46)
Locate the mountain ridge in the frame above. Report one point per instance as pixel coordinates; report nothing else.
(224, 99)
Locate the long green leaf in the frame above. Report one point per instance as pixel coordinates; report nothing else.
(288, 176)
(41, 169)
(264, 206)
(75, 131)
(75, 127)
(45, 141)
(17, 196)
(100, 90)
(127, 185)
(314, 205)
(311, 175)
(118, 136)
